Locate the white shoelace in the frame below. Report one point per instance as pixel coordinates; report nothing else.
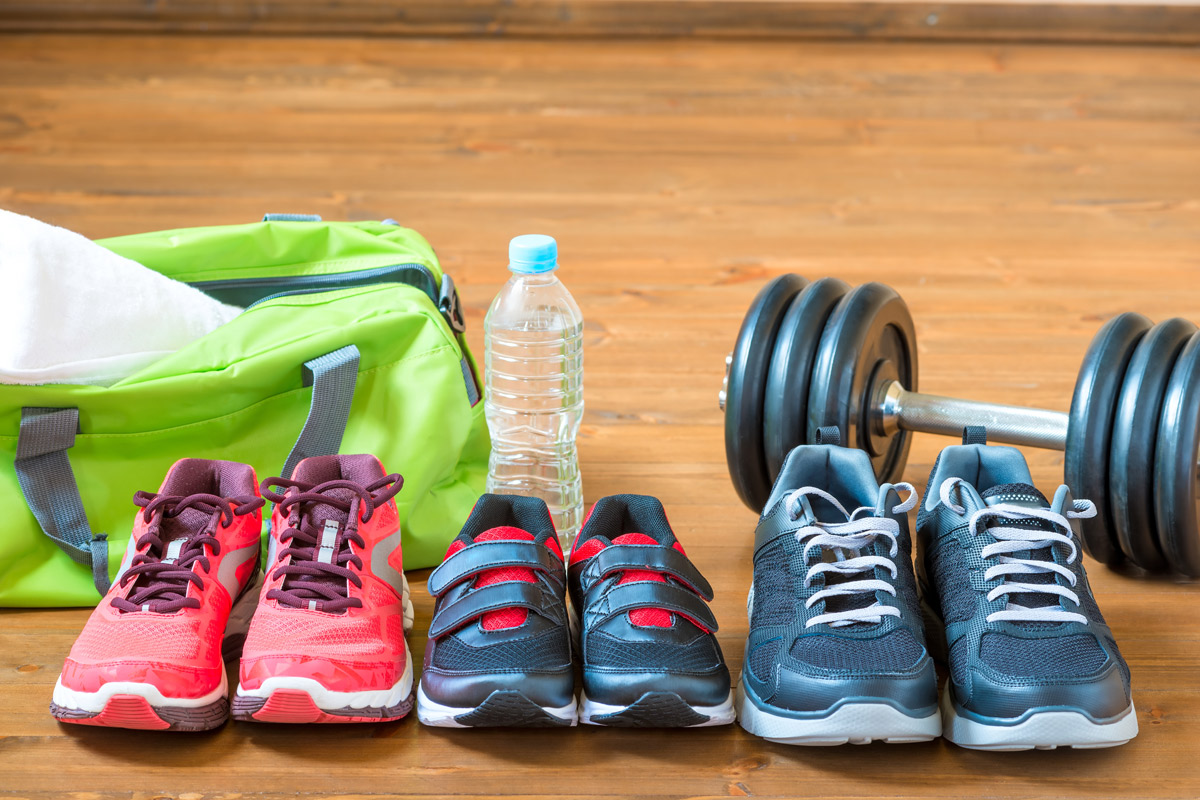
(846, 541)
(1012, 539)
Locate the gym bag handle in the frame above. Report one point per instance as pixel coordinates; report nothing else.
(333, 376)
(52, 493)
(48, 483)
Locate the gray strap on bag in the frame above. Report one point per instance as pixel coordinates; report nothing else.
(333, 378)
(52, 494)
(48, 483)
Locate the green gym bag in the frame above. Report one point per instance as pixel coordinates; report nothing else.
(351, 341)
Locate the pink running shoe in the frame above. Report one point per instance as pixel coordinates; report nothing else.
(150, 655)
(327, 641)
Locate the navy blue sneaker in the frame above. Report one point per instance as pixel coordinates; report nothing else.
(499, 651)
(836, 651)
(646, 634)
(1032, 663)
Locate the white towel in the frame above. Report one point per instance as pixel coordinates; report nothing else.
(72, 311)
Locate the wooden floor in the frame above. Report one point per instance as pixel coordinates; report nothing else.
(1017, 196)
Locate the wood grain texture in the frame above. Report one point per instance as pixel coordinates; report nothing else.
(1017, 196)
(1145, 21)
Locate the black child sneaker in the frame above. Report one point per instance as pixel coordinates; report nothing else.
(836, 650)
(1032, 662)
(499, 651)
(646, 634)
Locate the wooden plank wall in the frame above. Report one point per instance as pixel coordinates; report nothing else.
(1144, 21)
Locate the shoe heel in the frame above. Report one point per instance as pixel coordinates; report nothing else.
(239, 619)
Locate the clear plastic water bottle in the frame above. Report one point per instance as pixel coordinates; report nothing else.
(534, 376)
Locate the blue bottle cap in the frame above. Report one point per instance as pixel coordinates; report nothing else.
(532, 253)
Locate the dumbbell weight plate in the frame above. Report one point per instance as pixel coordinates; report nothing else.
(870, 333)
(785, 409)
(1090, 426)
(1135, 430)
(1176, 474)
(747, 382)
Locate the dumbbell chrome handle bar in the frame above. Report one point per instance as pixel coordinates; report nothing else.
(894, 407)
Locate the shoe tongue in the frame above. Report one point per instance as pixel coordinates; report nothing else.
(635, 538)
(190, 522)
(505, 617)
(824, 511)
(321, 470)
(638, 574)
(814, 508)
(644, 617)
(505, 533)
(1024, 495)
(314, 519)
(847, 602)
(318, 513)
(1016, 494)
(175, 533)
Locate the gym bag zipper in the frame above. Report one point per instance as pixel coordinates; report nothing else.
(249, 292)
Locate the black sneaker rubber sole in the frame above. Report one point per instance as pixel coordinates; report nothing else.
(510, 709)
(653, 710)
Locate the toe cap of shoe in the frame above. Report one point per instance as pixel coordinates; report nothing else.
(803, 691)
(1002, 697)
(339, 675)
(171, 680)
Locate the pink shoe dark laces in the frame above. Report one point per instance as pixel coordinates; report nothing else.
(160, 586)
(307, 581)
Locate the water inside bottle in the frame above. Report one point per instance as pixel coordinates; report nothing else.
(534, 397)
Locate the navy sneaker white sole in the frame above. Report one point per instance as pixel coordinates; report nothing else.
(655, 710)
(849, 723)
(1040, 730)
(501, 709)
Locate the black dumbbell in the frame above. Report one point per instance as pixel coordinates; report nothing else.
(823, 353)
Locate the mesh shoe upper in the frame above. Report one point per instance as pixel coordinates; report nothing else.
(644, 621)
(1029, 637)
(895, 651)
(833, 607)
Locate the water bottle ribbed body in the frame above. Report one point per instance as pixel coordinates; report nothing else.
(534, 395)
